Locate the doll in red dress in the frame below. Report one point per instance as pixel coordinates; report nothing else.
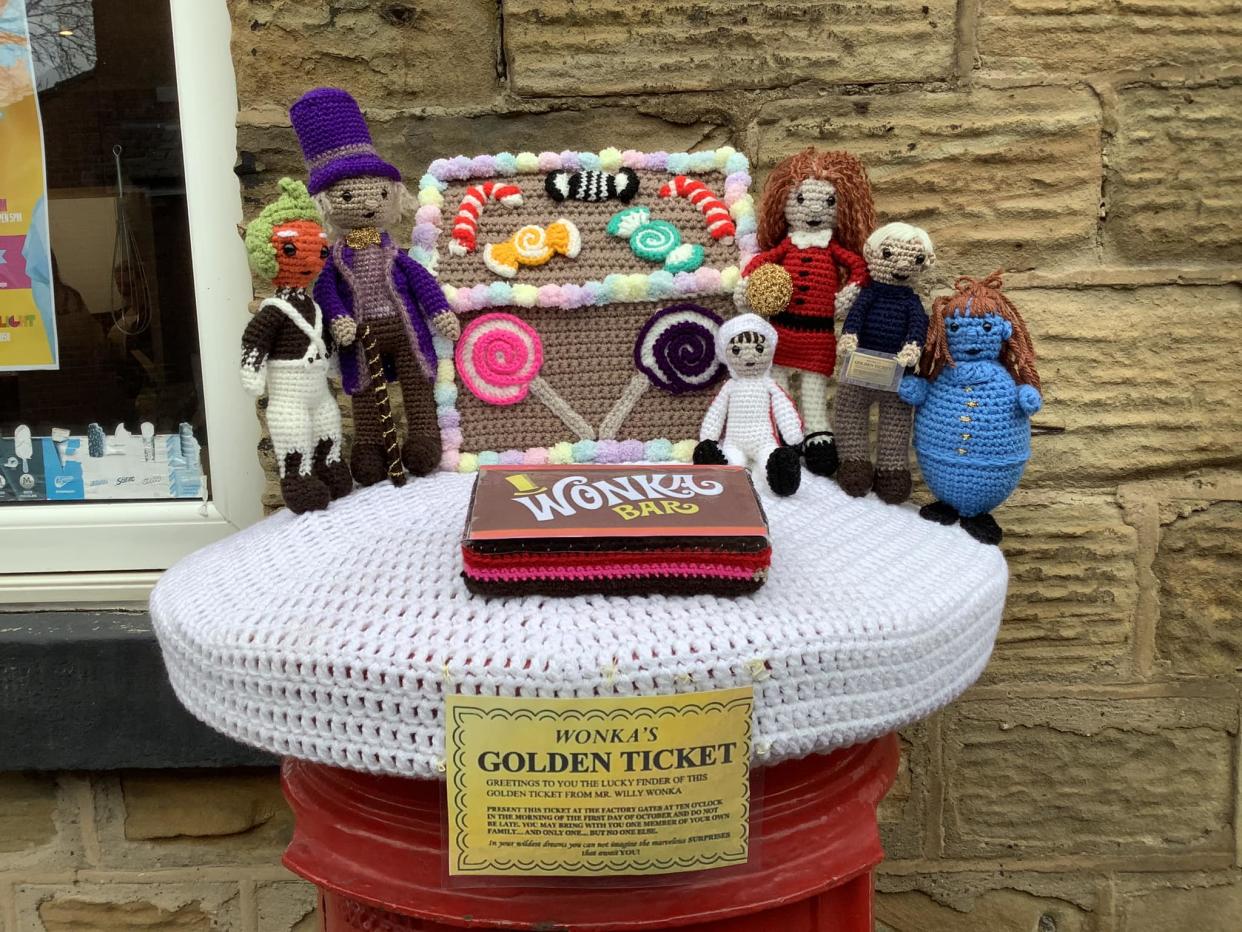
(816, 212)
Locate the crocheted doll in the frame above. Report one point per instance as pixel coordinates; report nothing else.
(752, 422)
(816, 210)
(285, 351)
(887, 317)
(369, 285)
(972, 430)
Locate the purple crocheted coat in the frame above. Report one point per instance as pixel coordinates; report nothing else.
(417, 289)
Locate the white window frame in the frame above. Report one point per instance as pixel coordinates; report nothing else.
(112, 553)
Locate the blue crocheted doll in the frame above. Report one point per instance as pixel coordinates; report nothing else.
(972, 429)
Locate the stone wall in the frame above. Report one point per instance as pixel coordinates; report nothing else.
(1090, 782)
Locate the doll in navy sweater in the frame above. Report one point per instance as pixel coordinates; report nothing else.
(887, 317)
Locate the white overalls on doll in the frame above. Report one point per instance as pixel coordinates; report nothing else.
(751, 421)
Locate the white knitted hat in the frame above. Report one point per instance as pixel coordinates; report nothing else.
(743, 322)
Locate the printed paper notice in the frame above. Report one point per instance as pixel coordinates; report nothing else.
(598, 787)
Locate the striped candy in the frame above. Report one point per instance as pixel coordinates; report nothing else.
(466, 224)
(719, 223)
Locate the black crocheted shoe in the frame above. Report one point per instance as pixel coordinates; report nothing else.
(983, 528)
(820, 451)
(784, 470)
(940, 512)
(708, 453)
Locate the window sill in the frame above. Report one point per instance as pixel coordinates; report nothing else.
(88, 691)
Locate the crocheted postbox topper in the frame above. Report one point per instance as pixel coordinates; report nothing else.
(599, 279)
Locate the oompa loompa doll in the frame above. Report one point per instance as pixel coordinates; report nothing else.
(752, 421)
(285, 351)
(815, 212)
(371, 291)
(972, 429)
(887, 317)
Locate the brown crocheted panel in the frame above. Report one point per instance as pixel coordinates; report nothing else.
(601, 253)
(588, 359)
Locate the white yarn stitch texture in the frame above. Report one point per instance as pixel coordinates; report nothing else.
(334, 636)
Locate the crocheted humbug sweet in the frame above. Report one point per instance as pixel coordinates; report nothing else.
(752, 422)
(816, 210)
(972, 430)
(285, 351)
(887, 317)
(382, 306)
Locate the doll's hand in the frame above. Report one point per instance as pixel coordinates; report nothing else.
(846, 297)
(1029, 399)
(254, 381)
(739, 296)
(909, 354)
(344, 329)
(447, 325)
(913, 390)
(847, 344)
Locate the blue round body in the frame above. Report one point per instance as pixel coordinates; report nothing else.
(971, 437)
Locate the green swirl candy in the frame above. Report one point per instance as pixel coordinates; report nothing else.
(655, 240)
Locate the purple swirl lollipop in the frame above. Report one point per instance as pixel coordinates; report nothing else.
(675, 350)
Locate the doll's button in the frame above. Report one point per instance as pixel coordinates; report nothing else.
(964, 418)
(961, 451)
(806, 259)
(972, 404)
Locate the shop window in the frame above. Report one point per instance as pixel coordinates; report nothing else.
(138, 446)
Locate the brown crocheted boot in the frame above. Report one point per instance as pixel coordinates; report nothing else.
(367, 463)
(334, 475)
(420, 455)
(854, 477)
(893, 485)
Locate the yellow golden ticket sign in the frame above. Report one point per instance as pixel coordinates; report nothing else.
(598, 787)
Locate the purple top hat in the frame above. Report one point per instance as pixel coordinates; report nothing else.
(335, 140)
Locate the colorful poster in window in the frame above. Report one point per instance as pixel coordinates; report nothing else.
(27, 313)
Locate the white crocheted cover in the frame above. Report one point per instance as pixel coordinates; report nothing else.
(334, 636)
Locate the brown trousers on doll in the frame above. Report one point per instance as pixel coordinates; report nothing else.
(851, 425)
(420, 453)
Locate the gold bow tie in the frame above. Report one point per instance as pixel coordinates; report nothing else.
(363, 237)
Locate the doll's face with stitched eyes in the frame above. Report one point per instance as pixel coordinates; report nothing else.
(352, 203)
(811, 207)
(301, 250)
(972, 338)
(748, 355)
(898, 261)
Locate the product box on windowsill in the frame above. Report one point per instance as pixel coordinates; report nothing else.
(619, 530)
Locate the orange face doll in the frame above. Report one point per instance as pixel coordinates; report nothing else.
(285, 351)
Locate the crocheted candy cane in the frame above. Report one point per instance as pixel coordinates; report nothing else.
(675, 350)
(592, 185)
(498, 358)
(466, 223)
(379, 389)
(719, 223)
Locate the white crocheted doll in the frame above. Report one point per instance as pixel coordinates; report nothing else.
(752, 422)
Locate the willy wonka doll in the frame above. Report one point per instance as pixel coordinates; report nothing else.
(371, 292)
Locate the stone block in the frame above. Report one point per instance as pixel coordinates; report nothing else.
(1059, 40)
(1204, 902)
(1039, 777)
(388, 54)
(142, 907)
(1174, 178)
(1000, 178)
(558, 48)
(1197, 569)
(39, 822)
(994, 911)
(901, 812)
(190, 818)
(288, 906)
(1139, 379)
(1073, 587)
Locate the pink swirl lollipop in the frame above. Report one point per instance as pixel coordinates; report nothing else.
(499, 357)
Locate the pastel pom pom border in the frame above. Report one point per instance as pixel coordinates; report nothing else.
(566, 453)
(653, 286)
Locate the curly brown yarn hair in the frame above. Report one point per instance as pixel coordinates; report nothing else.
(974, 298)
(855, 205)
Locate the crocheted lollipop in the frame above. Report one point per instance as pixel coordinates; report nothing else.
(499, 358)
(675, 351)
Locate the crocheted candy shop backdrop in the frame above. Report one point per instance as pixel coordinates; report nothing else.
(588, 286)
